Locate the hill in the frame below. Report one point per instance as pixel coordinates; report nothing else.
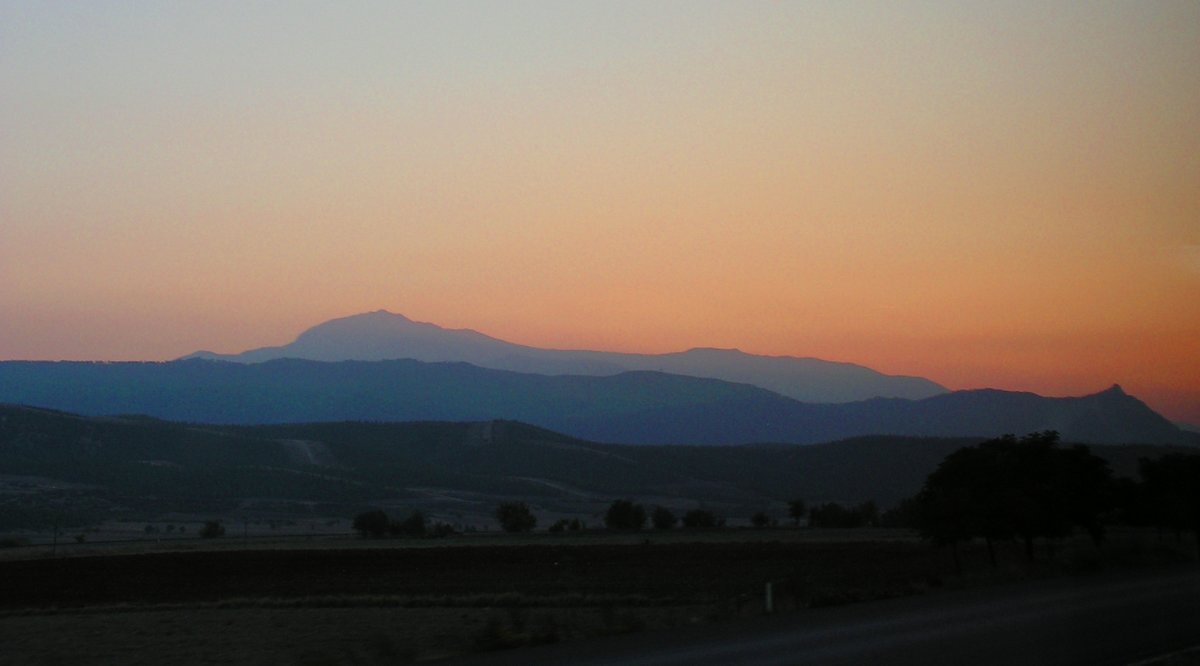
(79, 470)
(382, 335)
(632, 407)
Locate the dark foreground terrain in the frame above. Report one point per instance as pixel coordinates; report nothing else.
(1127, 619)
(381, 602)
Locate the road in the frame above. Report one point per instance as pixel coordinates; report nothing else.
(1085, 620)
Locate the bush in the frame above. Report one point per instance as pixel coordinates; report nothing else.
(515, 517)
(797, 509)
(760, 519)
(212, 529)
(563, 525)
(559, 526)
(701, 518)
(625, 515)
(663, 518)
(413, 526)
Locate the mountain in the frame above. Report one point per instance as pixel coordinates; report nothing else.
(381, 335)
(631, 407)
(77, 469)
(1188, 427)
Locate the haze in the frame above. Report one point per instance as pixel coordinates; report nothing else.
(1002, 195)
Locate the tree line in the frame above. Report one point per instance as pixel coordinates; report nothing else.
(1002, 489)
(1032, 488)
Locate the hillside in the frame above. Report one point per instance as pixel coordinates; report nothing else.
(79, 470)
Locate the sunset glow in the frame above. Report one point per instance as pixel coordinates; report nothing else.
(984, 194)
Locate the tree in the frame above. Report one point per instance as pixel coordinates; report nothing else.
(760, 519)
(625, 515)
(1003, 488)
(515, 517)
(662, 518)
(212, 529)
(372, 524)
(414, 526)
(700, 519)
(1172, 491)
(797, 510)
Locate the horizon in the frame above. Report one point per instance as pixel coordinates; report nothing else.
(983, 196)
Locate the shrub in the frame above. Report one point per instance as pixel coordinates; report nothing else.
(515, 517)
(212, 529)
(797, 510)
(700, 518)
(413, 526)
(663, 518)
(625, 515)
(559, 526)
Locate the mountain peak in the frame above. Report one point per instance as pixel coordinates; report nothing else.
(1114, 390)
(383, 315)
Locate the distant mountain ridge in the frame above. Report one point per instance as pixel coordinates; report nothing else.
(632, 407)
(382, 335)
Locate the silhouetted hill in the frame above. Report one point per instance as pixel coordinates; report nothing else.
(633, 407)
(134, 466)
(381, 335)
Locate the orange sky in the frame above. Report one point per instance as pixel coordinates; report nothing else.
(984, 195)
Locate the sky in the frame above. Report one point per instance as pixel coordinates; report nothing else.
(986, 194)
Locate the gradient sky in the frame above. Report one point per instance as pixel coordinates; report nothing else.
(985, 194)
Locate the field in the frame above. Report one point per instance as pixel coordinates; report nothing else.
(358, 601)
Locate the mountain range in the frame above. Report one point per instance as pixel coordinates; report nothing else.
(382, 335)
(631, 407)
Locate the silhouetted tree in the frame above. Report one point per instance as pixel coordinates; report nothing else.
(372, 524)
(414, 526)
(760, 519)
(559, 525)
(797, 509)
(662, 518)
(625, 515)
(700, 518)
(515, 517)
(212, 529)
(1003, 488)
(1172, 491)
